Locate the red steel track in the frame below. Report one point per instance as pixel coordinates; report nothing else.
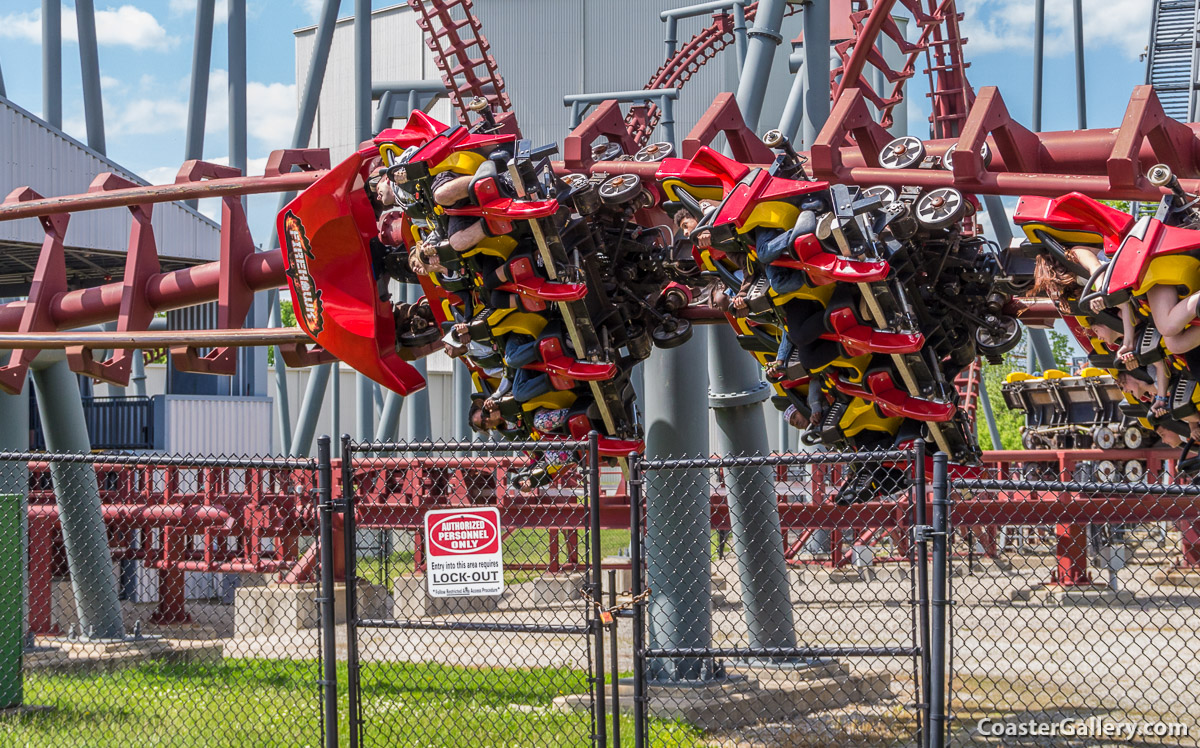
(223, 519)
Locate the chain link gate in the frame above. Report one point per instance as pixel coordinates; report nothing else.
(789, 673)
(522, 666)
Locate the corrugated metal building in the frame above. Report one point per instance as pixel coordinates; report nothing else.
(545, 49)
(35, 154)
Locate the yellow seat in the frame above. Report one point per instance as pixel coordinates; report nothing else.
(505, 321)
(493, 246)
(771, 214)
(862, 416)
(1181, 270)
(554, 400)
(1019, 376)
(1054, 374)
(1092, 371)
(820, 294)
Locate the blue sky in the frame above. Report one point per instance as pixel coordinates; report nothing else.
(146, 48)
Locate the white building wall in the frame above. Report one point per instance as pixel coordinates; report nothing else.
(34, 154)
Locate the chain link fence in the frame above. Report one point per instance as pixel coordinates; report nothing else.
(1074, 584)
(158, 600)
(788, 603)
(472, 567)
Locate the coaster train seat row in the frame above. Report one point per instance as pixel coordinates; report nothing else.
(1127, 288)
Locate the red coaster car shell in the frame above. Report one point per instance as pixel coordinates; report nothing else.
(1073, 218)
(325, 235)
(435, 140)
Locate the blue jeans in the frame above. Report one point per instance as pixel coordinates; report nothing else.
(770, 245)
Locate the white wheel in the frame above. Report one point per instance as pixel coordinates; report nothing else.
(1134, 437)
(1134, 471)
(576, 181)
(1104, 437)
(606, 151)
(773, 138)
(985, 153)
(941, 208)
(1106, 471)
(620, 189)
(902, 153)
(886, 193)
(477, 104)
(653, 153)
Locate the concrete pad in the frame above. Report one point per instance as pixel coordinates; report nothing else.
(1098, 596)
(58, 655)
(1177, 577)
(281, 609)
(752, 694)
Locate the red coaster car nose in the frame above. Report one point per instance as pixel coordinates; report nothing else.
(325, 236)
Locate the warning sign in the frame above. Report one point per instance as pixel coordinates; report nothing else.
(463, 556)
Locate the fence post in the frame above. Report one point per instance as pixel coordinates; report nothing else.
(938, 603)
(922, 553)
(636, 571)
(601, 734)
(326, 597)
(350, 548)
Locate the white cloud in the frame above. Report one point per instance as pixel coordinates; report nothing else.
(188, 8)
(996, 27)
(311, 7)
(109, 83)
(123, 26)
(271, 111)
(159, 174)
(148, 117)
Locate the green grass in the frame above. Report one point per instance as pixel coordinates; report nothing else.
(260, 703)
(522, 546)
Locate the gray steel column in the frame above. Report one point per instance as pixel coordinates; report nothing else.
(335, 407)
(389, 417)
(201, 66)
(198, 96)
(461, 381)
(362, 69)
(736, 393)
(985, 403)
(793, 108)
(89, 64)
(816, 69)
(52, 62)
(78, 494)
(137, 378)
(1080, 86)
(678, 535)
(364, 408)
(417, 425)
(1039, 32)
(310, 411)
(1041, 346)
(283, 401)
(764, 38)
(236, 33)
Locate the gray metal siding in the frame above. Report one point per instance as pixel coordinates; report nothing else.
(545, 49)
(39, 156)
(197, 425)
